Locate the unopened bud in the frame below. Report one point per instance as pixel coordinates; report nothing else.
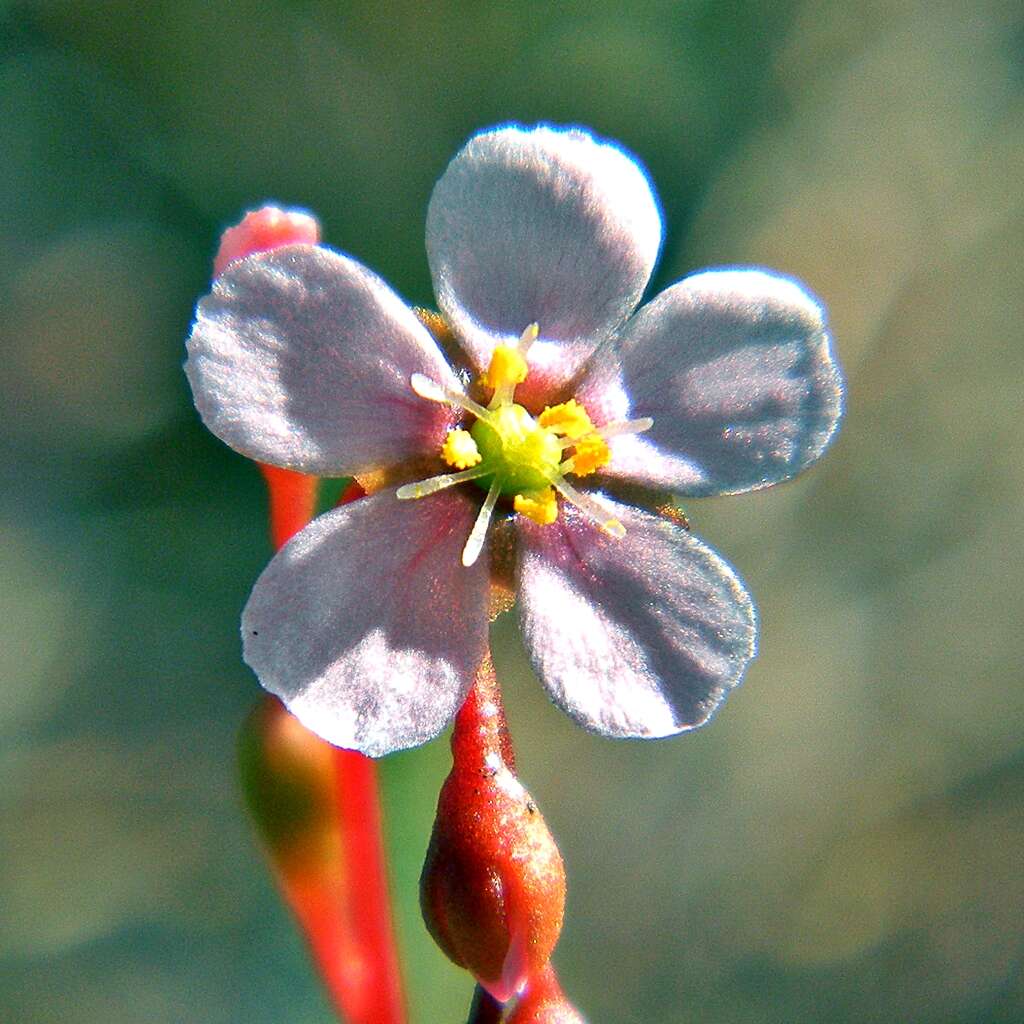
(288, 782)
(267, 228)
(493, 885)
(291, 778)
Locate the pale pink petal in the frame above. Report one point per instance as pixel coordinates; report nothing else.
(301, 358)
(541, 225)
(736, 369)
(367, 625)
(641, 636)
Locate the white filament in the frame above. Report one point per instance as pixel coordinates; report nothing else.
(434, 392)
(614, 429)
(590, 507)
(433, 484)
(471, 552)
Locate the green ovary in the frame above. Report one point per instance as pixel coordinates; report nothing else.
(521, 455)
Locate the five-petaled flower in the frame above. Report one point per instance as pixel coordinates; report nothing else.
(371, 623)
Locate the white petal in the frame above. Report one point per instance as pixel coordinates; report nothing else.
(736, 369)
(641, 636)
(546, 226)
(367, 625)
(301, 357)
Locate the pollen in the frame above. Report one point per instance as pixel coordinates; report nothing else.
(459, 450)
(508, 368)
(592, 452)
(540, 506)
(569, 419)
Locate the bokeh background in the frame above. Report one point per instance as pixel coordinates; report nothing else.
(844, 842)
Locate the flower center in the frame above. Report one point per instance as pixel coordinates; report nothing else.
(520, 454)
(508, 452)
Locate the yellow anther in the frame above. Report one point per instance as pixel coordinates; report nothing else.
(508, 368)
(569, 419)
(540, 506)
(614, 528)
(460, 450)
(591, 454)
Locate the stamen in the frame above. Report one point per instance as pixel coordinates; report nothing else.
(460, 450)
(617, 428)
(568, 418)
(471, 552)
(508, 367)
(591, 454)
(433, 484)
(540, 506)
(434, 392)
(527, 338)
(590, 507)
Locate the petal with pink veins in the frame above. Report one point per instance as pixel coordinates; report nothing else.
(638, 636)
(301, 358)
(543, 225)
(367, 626)
(736, 369)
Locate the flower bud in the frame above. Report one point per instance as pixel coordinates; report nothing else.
(288, 779)
(493, 885)
(267, 228)
(292, 780)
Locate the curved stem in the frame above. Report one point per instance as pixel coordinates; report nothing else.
(344, 909)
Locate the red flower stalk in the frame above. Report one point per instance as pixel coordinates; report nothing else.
(493, 885)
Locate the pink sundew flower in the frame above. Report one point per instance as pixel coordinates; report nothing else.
(371, 623)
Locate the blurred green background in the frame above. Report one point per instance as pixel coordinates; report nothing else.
(844, 842)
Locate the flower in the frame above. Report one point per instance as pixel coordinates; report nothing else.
(371, 622)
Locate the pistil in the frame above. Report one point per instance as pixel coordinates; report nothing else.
(511, 453)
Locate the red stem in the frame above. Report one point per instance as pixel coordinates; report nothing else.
(360, 969)
(480, 725)
(292, 502)
(361, 822)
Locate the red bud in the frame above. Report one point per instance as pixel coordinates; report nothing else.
(493, 886)
(261, 230)
(288, 777)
